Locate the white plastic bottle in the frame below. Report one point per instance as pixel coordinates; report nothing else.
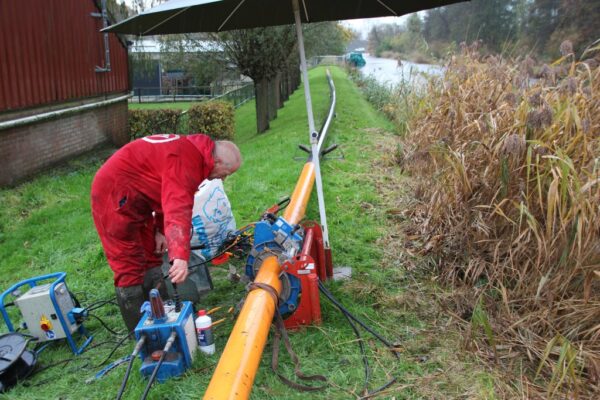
(204, 333)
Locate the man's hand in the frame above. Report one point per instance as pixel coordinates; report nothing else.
(178, 271)
(161, 243)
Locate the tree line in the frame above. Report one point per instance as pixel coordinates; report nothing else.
(535, 27)
(269, 56)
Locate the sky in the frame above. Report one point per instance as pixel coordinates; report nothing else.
(363, 26)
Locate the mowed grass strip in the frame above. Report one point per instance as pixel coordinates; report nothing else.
(46, 226)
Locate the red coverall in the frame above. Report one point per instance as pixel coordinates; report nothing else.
(158, 174)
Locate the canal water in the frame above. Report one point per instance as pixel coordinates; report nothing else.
(388, 72)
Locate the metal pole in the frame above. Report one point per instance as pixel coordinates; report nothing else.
(159, 79)
(314, 136)
(104, 15)
(304, 69)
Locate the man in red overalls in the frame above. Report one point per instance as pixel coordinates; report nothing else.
(142, 200)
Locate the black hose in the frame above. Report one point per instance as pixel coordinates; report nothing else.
(136, 350)
(160, 361)
(125, 379)
(101, 303)
(363, 352)
(119, 344)
(344, 310)
(153, 376)
(350, 317)
(104, 325)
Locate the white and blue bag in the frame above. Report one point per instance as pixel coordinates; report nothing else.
(212, 219)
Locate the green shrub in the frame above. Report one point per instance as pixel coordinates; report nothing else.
(213, 118)
(150, 122)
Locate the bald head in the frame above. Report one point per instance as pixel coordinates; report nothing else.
(227, 159)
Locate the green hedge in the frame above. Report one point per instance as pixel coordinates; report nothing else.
(150, 122)
(213, 118)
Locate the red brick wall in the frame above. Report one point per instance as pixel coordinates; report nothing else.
(28, 149)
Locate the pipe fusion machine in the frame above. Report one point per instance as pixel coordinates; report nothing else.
(166, 333)
(166, 337)
(299, 249)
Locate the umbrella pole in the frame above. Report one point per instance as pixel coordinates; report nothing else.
(314, 135)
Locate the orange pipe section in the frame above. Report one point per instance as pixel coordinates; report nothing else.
(234, 376)
(294, 212)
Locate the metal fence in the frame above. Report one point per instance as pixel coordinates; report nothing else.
(326, 60)
(237, 96)
(238, 93)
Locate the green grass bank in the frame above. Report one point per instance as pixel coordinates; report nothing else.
(46, 226)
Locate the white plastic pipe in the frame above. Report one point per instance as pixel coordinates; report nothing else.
(65, 111)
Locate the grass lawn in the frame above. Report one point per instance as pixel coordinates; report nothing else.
(46, 226)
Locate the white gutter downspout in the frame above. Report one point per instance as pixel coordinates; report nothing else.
(58, 113)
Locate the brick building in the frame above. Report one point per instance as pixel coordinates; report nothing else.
(63, 84)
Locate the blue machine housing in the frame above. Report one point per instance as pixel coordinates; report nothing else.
(180, 356)
(57, 278)
(279, 237)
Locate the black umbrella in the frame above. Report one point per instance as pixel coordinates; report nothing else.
(186, 16)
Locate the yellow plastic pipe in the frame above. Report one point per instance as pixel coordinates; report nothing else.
(295, 210)
(234, 376)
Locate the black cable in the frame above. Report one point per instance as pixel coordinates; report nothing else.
(363, 352)
(119, 344)
(284, 203)
(193, 267)
(168, 345)
(56, 363)
(344, 310)
(80, 295)
(380, 389)
(136, 350)
(95, 345)
(125, 379)
(153, 376)
(96, 305)
(349, 316)
(46, 367)
(75, 300)
(104, 325)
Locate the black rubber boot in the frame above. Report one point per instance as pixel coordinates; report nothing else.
(154, 280)
(130, 300)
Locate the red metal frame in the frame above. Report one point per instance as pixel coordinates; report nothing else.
(309, 266)
(314, 246)
(309, 306)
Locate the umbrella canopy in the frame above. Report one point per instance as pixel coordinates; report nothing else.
(186, 16)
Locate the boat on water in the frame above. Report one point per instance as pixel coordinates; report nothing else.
(356, 59)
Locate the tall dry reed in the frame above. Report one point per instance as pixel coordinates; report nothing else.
(509, 172)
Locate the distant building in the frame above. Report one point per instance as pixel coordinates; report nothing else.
(150, 77)
(63, 84)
